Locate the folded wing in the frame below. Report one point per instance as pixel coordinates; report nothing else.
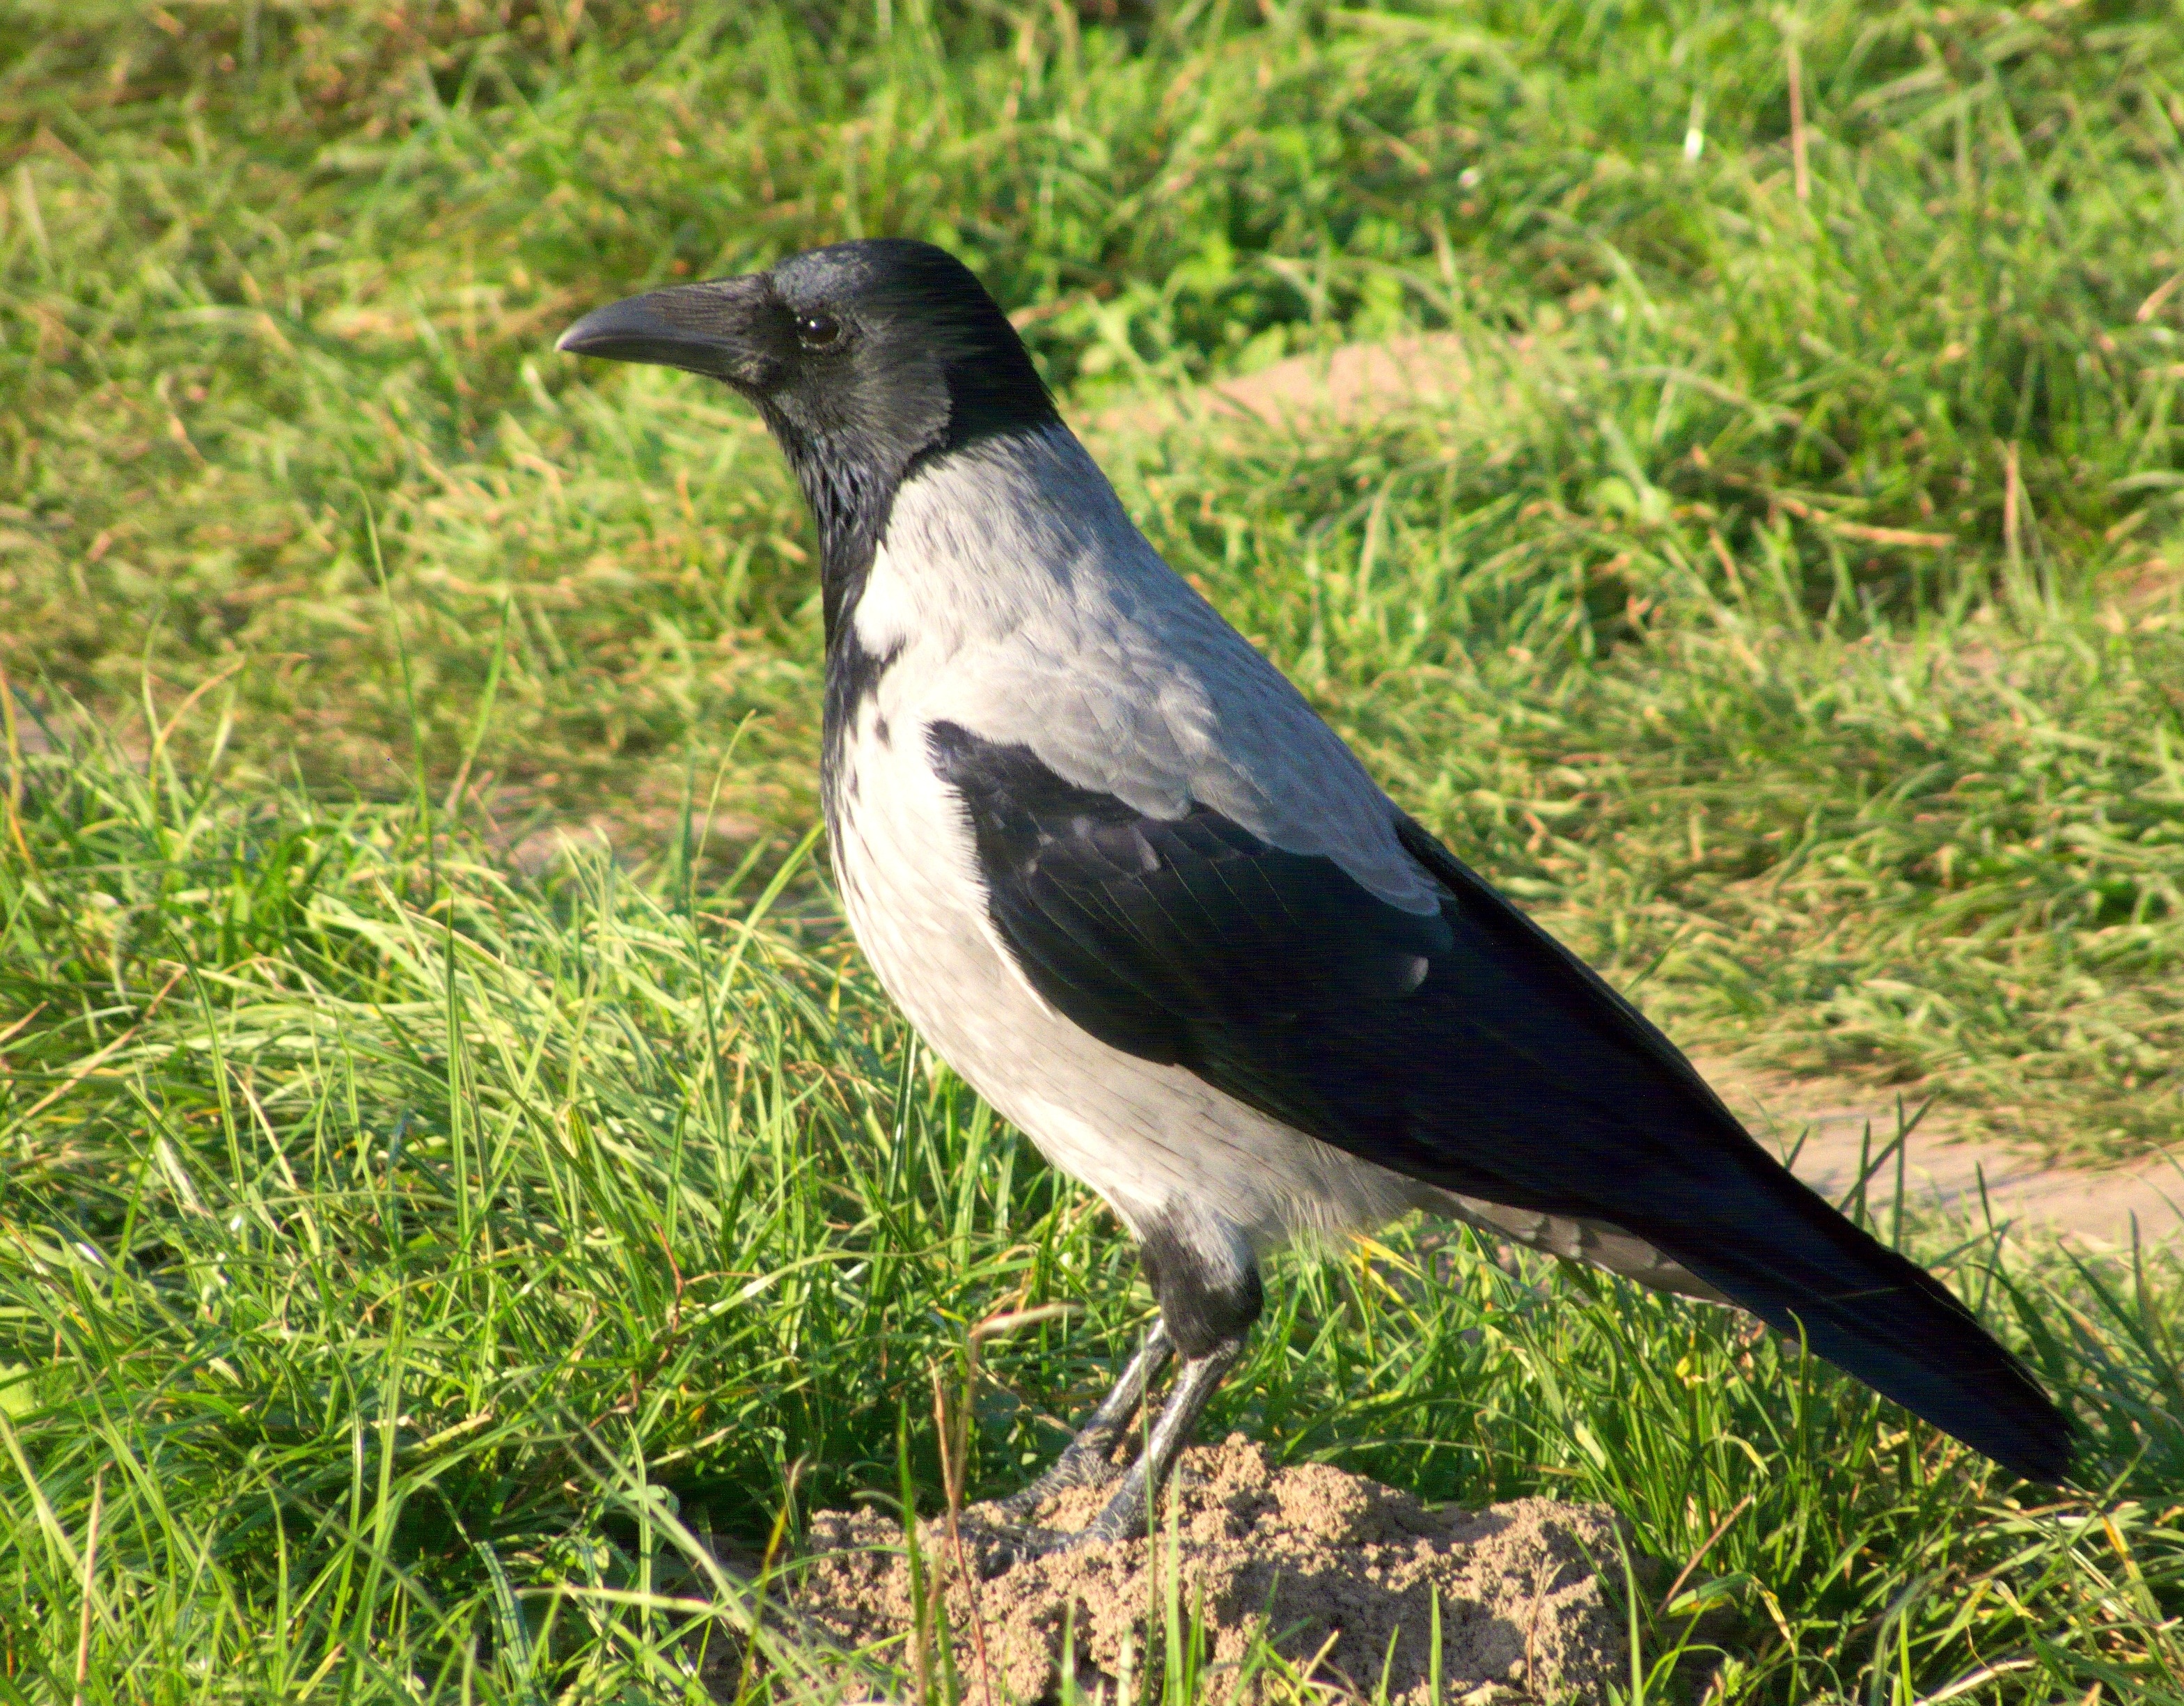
(1463, 1047)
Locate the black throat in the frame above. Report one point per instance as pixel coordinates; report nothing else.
(851, 487)
(919, 364)
(851, 497)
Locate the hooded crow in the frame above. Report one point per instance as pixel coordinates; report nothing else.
(1125, 882)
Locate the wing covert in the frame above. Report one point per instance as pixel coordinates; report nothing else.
(1466, 1048)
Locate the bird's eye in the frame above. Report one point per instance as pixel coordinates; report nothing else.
(817, 331)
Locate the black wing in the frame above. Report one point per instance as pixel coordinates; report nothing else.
(1467, 1048)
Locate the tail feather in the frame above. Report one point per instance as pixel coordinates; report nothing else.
(1772, 1246)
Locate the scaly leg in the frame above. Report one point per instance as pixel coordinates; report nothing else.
(1137, 1500)
(1087, 1461)
(1207, 1281)
(1129, 1511)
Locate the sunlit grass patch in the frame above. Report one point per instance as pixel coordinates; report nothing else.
(415, 1266)
(1784, 592)
(412, 1260)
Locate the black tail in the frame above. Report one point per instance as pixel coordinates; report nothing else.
(1570, 1102)
(1777, 1248)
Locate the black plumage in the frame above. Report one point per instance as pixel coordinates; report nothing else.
(1466, 1048)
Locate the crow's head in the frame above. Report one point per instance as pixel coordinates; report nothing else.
(862, 356)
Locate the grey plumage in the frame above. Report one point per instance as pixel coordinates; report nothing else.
(1056, 628)
(1052, 624)
(1129, 885)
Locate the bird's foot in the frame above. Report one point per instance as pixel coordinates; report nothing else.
(1006, 1539)
(996, 1551)
(1004, 1545)
(1087, 1461)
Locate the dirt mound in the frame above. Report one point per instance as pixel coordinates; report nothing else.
(1341, 1572)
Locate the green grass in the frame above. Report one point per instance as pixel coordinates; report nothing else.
(1787, 604)
(410, 1262)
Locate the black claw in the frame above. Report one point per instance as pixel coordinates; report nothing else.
(1087, 1460)
(1002, 1549)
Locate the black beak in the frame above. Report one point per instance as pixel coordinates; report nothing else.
(726, 328)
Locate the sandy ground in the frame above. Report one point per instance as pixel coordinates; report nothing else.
(1357, 380)
(1835, 1129)
(1340, 1573)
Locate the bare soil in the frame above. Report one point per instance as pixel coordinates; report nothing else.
(1833, 1129)
(1339, 1573)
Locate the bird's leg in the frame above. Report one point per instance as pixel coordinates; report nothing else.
(1129, 1511)
(1208, 1282)
(1087, 1461)
(1206, 1279)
